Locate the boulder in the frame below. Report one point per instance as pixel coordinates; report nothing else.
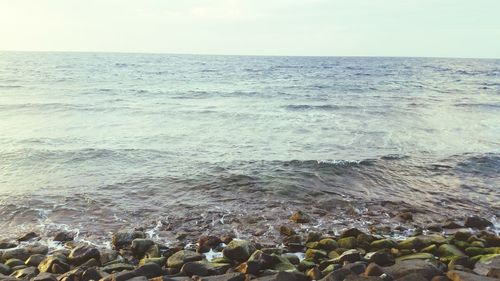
(380, 258)
(425, 268)
(234, 276)
(25, 273)
(456, 275)
(178, 259)
(35, 260)
(488, 266)
(81, 254)
(477, 222)
(27, 237)
(117, 267)
(348, 242)
(51, 263)
(140, 246)
(16, 253)
(149, 270)
(195, 268)
(63, 237)
(45, 276)
(125, 238)
(238, 250)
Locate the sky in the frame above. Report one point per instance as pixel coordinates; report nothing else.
(423, 28)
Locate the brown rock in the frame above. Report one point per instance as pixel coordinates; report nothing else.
(456, 275)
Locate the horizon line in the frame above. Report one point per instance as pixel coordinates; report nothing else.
(244, 55)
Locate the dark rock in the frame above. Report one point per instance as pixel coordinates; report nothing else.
(284, 276)
(350, 256)
(383, 244)
(380, 258)
(138, 278)
(81, 254)
(489, 266)
(412, 277)
(119, 276)
(27, 237)
(287, 231)
(195, 268)
(13, 263)
(47, 265)
(117, 267)
(207, 242)
(300, 217)
(4, 269)
(107, 255)
(238, 250)
(7, 245)
(250, 267)
(125, 238)
(314, 273)
(373, 269)
(16, 253)
(235, 276)
(282, 264)
(477, 222)
(178, 259)
(63, 237)
(25, 273)
(45, 276)
(351, 232)
(356, 267)
(37, 248)
(149, 270)
(354, 277)
(92, 274)
(452, 225)
(35, 260)
(456, 275)
(313, 237)
(337, 275)
(348, 242)
(139, 247)
(425, 268)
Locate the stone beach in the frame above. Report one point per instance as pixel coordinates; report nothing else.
(467, 250)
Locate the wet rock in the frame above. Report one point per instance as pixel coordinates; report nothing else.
(300, 217)
(327, 244)
(125, 238)
(25, 273)
(348, 242)
(159, 261)
(419, 256)
(351, 232)
(14, 262)
(195, 268)
(107, 255)
(18, 267)
(4, 269)
(356, 267)
(456, 275)
(380, 258)
(235, 276)
(287, 231)
(282, 264)
(476, 251)
(63, 237)
(383, 244)
(45, 276)
(412, 277)
(140, 246)
(350, 256)
(27, 237)
(238, 250)
(207, 242)
(7, 245)
(293, 259)
(373, 269)
(92, 274)
(460, 261)
(425, 268)
(37, 248)
(149, 270)
(284, 276)
(250, 267)
(35, 260)
(81, 254)
(138, 278)
(119, 276)
(449, 252)
(316, 254)
(178, 259)
(489, 266)
(314, 273)
(117, 267)
(452, 225)
(47, 265)
(313, 237)
(440, 278)
(354, 277)
(337, 275)
(16, 253)
(477, 222)
(306, 264)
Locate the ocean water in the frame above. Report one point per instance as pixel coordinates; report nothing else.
(95, 142)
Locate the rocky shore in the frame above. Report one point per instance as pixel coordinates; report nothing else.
(458, 251)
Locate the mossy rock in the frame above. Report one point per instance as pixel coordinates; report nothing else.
(312, 245)
(13, 263)
(282, 264)
(477, 244)
(159, 261)
(383, 244)
(291, 258)
(333, 255)
(117, 267)
(238, 250)
(330, 268)
(224, 259)
(475, 251)
(448, 252)
(300, 217)
(348, 242)
(430, 249)
(461, 244)
(306, 264)
(328, 244)
(315, 254)
(417, 256)
(411, 243)
(178, 259)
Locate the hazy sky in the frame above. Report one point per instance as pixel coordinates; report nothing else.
(450, 28)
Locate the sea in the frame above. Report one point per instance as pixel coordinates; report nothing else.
(91, 143)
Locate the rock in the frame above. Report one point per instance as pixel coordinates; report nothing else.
(117, 267)
(25, 273)
(314, 273)
(159, 261)
(282, 264)
(125, 238)
(14, 262)
(7, 245)
(425, 268)
(250, 267)
(488, 267)
(356, 267)
(328, 244)
(315, 254)
(306, 264)
(420, 256)
(456, 275)
(373, 269)
(440, 278)
(45, 276)
(140, 246)
(63, 237)
(119, 276)
(287, 231)
(300, 217)
(351, 232)
(411, 243)
(138, 278)
(149, 270)
(284, 276)
(350, 256)
(460, 261)
(47, 265)
(207, 242)
(92, 274)
(449, 252)
(4, 269)
(27, 237)
(347, 242)
(313, 237)
(195, 268)
(235, 276)
(477, 222)
(476, 251)
(37, 248)
(107, 255)
(16, 253)
(337, 275)
(178, 259)
(238, 250)
(412, 277)
(35, 260)
(353, 277)
(380, 258)
(383, 244)
(81, 254)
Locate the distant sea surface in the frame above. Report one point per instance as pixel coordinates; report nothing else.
(95, 142)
